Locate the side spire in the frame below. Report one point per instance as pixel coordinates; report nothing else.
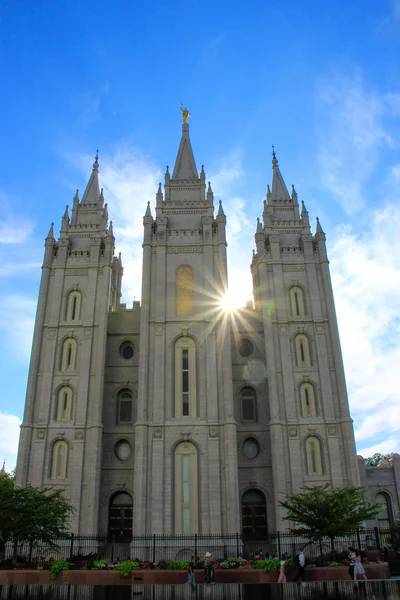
(185, 166)
(92, 192)
(319, 228)
(279, 189)
(50, 235)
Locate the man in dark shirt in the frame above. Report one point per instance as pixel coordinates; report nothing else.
(191, 577)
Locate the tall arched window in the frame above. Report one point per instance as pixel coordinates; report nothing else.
(185, 378)
(59, 460)
(249, 404)
(307, 398)
(186, 489)
(74, 306)
(384, 514)
(125, 407)
(313, 456)
(297, 301)
(184, 291)
(303, 358)
(68, 359)
(64, 404)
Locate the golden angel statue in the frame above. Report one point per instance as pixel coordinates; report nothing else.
(185, 113)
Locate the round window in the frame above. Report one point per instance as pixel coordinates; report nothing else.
(126, 350)
(251, 448)
(245, 348)
(122, 450)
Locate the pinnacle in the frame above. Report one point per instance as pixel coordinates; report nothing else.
(185, 166)
(92, 191)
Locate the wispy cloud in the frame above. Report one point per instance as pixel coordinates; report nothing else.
(9, 436)
(18, 330)
(352, 133)
(366, 280)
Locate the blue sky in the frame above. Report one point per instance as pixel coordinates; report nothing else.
(320, 80)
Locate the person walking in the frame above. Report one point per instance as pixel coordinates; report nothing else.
(300, 560)
(358, 568)
(352, 561)
(191, 577)
(282, 576)
(207, 565)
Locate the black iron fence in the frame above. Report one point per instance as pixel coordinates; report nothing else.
(156, 547)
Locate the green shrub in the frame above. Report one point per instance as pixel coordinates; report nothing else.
(58, 566)
(176, 565)
(268, 565)
(99, 564)
(126, 567)
(290, 565)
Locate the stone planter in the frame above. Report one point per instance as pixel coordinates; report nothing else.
(165, 577)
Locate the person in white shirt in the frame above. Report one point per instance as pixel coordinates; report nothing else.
(301, 564)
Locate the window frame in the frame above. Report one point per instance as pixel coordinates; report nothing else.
(184, 298)
(73, 313)
(318, 459)
(182, 344)
(58, 445)
(303, 353)
(182, 450)
(254, 403)
(60, 409)
(119, 399)
(297, 305)
(68, 360)
(307, 386)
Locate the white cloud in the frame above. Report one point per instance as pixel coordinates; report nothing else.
(9, 436)
(353, 130)
(17, 318)
(14, 230)
(386, 447)
(366, 280)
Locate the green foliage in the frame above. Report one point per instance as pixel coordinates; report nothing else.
(127, 566)
(290, 565)
(324, 511)
(268, 565)
(99, 564)
(29, 514)
(58, 566)
(176, 565)
(376, 459)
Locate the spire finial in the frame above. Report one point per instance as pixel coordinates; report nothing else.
(96, 161)
(274, 159)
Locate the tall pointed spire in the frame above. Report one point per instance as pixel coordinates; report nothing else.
(50, 235)
(319, 228)
(148, 210)
(279, 189)
(92, 192)
(185, 166)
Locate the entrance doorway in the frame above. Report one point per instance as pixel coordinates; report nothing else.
(120, 517)
(254, 515)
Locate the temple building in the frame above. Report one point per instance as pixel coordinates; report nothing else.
(173, 415)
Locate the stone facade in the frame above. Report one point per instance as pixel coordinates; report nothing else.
(173, 416)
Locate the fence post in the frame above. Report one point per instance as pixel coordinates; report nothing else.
(279, 545)
(358, 539)
(71, 548)
(320, 548)
(195, 546)
(237, 544)
(30, 551)
(112, 547)
(154, 548)
(378, 542)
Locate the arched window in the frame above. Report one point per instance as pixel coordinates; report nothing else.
(186, 489)
(74, 306)
(64, 404)
(185, 378)
(249, 404)
(313, 456)
(254, 515)
(297, 301)
(120, 516)
(59, 460)
(184, 291)
(125, 407)
(307, 398)
(384, 514)
(303, 358)
(68, 359)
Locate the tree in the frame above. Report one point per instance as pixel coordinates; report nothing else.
(324, 511)
(31, 515)
(376, 459)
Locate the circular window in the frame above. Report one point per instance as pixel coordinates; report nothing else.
(126, 350)
(122, 450)
(245, 348)
(251, 448)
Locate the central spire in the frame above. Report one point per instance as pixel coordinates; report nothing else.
(185, 166)
(92, 192)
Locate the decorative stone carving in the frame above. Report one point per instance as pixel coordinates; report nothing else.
(185, 434)
(319, 328)
(159, 328)
(76, 272)
(157, 432)
(294, 268)
(332, 429)
(79, 434)
(40, 433)
(283, 328)
(213, 431)
(293, 431)
(88, 332)
(52, 333)
(180, 249)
